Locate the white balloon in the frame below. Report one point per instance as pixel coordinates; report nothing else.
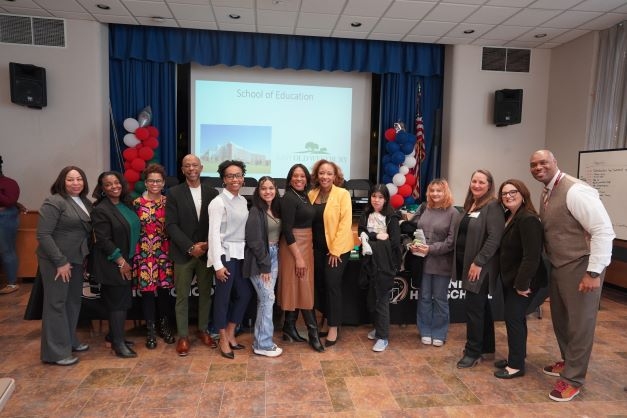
(403, 170)
(392, 189)
(410, 161)
(398, 179)
(130, 124)
(130, 140)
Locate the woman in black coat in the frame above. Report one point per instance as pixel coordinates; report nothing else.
(116, 232)
(522, 271)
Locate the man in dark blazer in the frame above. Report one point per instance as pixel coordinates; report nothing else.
(187, 223)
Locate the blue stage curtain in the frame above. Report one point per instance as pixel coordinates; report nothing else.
(400, 63)
(398, 103)
(134, 85)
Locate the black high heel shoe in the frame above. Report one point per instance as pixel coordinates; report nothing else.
(109, 342)
(237, 346)
(290, 333)
(230, 355)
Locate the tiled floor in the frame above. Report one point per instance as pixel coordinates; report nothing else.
(348, 380)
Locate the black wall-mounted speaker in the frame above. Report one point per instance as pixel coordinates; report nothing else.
(28, 85)
(507, 106)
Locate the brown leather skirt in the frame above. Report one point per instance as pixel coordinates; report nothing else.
(293, 292)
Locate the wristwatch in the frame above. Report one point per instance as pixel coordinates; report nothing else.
(593, 274)
(191, 249)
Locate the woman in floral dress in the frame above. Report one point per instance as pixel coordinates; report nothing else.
(153, 272)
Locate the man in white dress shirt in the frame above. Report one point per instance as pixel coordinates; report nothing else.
(578, 237)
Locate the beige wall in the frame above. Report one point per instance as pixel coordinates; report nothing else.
(470, 140)
(571, 94)
(74, 127)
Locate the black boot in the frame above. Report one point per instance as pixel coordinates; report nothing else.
(164, 330)
(123, 350)
(290, 333)
(151, 335)
(312, 330)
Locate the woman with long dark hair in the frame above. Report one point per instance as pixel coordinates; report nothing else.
(380, 232)
(63, 233)
(261, 263)
(116, 233)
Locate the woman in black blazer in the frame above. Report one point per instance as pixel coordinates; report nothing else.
(116, 232)
(522, 271)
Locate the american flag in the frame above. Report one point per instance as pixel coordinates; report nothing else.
(419, 150)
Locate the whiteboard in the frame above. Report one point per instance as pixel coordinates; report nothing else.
(606, 171)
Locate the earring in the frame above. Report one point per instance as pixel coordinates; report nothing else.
(103, 194)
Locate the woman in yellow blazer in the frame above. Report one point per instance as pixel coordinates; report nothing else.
(332, 241)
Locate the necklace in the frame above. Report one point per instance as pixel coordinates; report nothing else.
(301, 197)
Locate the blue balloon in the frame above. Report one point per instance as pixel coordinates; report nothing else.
(407, 148)
(409, 200)
(398, 157)
(400, 137)
(391, 169)
(387, 158)
(392, 147)
(411, 140)
(386, 179)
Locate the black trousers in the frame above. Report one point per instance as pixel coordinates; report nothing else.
(479, 323)
(515, 316)
(328, 286)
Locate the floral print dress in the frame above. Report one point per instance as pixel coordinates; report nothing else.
(152, 266)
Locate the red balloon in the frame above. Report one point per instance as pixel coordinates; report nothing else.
(151, 142)
(154, 132)
(127, 165)
(138, 164)
(397, 201)
(146, 153)
(131, 175)
(142, 133)
(404, 190)
(390, 134)
(129, 154)
(410, 179)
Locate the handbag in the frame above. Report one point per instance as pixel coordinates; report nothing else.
(35, 306)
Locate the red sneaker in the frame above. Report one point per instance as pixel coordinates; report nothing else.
(554, 369)
(563, 392)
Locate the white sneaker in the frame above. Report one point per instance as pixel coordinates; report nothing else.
(426, 340)
(372, 334)
(380, 345)
(438, 343)
(10, 288)
(275, 351)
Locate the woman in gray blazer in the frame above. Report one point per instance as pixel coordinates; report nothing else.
(477, 240)
(63, 233)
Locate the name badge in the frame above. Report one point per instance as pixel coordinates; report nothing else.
(473, 215)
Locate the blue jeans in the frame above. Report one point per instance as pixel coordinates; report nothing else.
(433, 310)
(264, 328)
(9, 221)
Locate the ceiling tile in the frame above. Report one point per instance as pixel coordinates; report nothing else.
(429, 28)
(477, 2)
(409, 10)
(149, 21)
(313, 32)
(531, 17)
(622, 9)
(569, 36)
(196, 2)
(322, 6)
(548, 45)
(550, 34)
(192, 12)
(234, 27)
(447, 12)
(491, 14)
(554, 4)
(281, 30)
(599, 5)
(245, 4)
(62, 5)
(506, 32)
(349, 34)
(27, 12)
(397, 26)
(73, 15)
(522, 44)
(421, 39)
(571, 19)
(124, 20)
(479, 29)
(385, 36)
(148, 8)
(115, 7)
(316, 21)
(246, 16)
(604, 21)
(510, 3)
(488, 42)
(366, 7)
(279, 5)
(278, 19)
(454, 41)
(22, 4)
(367, 23)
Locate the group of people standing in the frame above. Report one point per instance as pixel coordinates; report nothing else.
(157, 242)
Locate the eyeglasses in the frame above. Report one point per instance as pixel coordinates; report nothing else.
(511, 193)
(154, 181)
(234, 176)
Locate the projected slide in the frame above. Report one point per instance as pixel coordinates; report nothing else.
(271, 126)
